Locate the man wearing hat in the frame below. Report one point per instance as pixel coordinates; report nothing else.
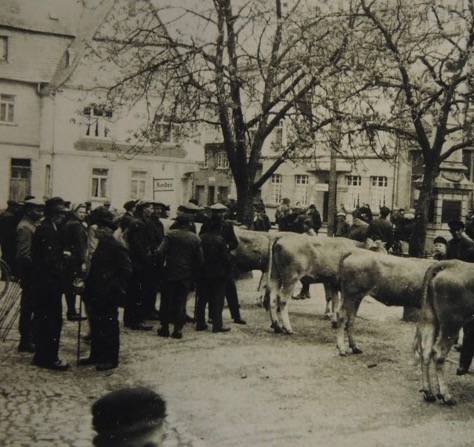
(180, 253)
(106, 283)
(462, 247)
(381, 229)
(47, 255)
(129, 417)
(440, 246)
(142, 253)
(75, 243)
(218, 211)
(190, 210)
(33, 212)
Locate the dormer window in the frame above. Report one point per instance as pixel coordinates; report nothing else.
(98, 121)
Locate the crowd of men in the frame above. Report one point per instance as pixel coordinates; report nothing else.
(112, 260)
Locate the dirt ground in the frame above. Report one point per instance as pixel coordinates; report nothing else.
(251, 387)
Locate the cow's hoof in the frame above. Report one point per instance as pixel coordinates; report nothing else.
(287, 331)
(449, 402)
(342, 353)
(356, 350)
(334, 324)
(327, 316)
(276, 328)
(428, 396)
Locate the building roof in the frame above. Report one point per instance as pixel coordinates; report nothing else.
(44, 16)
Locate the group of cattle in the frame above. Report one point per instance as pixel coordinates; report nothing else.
(349, 271)
(444, 291)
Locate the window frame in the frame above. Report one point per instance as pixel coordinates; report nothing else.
(9, 108)
(276, 181)
(222, 160)
(140, 180)
(98, 116)
(99, 185)
(302, 188)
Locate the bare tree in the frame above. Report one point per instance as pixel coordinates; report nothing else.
(242, 66)
(416, 57)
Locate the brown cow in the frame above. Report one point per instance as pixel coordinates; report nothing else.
(299, 255)
(448, 303)
(392, 280)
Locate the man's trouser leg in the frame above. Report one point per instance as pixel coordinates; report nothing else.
(467, 348)
(232, 299)
(202, 300)
(217, 289)
(109, 336)
(49, 325)
(165, 306)
(26, 324)
(131, 315)
(180, 292)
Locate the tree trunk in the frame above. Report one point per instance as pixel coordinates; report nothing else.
(245, 196)
(418, 236)
(332, 193)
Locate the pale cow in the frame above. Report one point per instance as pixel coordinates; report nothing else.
(448, 303)
(392, 280)
(299, 255)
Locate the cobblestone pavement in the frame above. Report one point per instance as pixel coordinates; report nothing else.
(248, 387)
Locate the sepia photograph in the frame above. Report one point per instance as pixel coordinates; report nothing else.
(230, 223)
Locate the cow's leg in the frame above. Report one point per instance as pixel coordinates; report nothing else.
(284, 297)
(445, 340)
(262, 290)
(328, 291)
(272, 295)
(341, 327)
(351, 314)
(426, 336)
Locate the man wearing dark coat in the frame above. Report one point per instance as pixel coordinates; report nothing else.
(215, 275)
(75, 243)
(462, 247)
(381, 229)
(33, 211)
(106, 283)
(47, 255)
(218, 211)
(180, 253)
(9, 220)
(142, 257)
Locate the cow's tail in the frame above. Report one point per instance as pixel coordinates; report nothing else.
(427, 305)
(339, 268)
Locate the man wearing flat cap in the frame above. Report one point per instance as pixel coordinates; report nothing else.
(218, 211)
(381, 229)
(181, 255)
(47, 255)
(462, 247)
(105, 285)
(131, 417)
(33, 212)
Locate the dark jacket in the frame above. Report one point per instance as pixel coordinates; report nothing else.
(462, 249)
(24, 240)
(8, 223)
(141, 250)
(343, 229)
(47, 255)
(316, 221)
(261, 223)
(75, 241)
(227, 232)
(181, 254)
(216, 256)
(109, 273)
(382, 230)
